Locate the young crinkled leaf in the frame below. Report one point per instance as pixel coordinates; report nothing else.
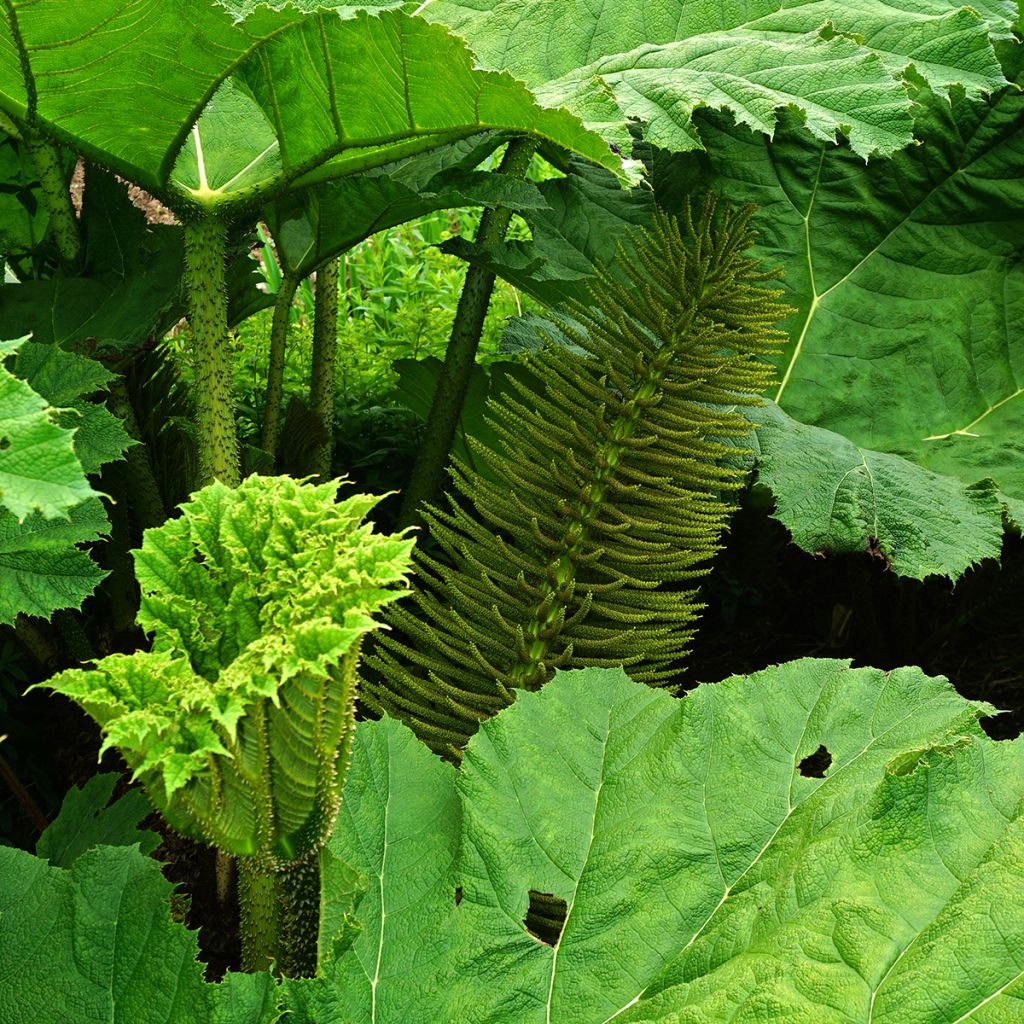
(812, 844)
(838, 63)
(239, 720)
(255, 597)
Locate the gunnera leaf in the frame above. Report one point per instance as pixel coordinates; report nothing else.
(708, 876)
(605, 493)
(96, 942)
(837, 63)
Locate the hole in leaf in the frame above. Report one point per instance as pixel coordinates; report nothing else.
(198, 556)
(814, 766)
(1002, 727)
(458, 895)
(4, 444)
(545, 917)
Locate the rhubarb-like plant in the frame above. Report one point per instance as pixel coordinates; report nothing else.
(239, 720)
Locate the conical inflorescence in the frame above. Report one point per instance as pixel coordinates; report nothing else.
(606, 496)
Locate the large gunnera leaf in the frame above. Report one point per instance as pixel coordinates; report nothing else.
(908, 275)
(812, 844)
(838, 63)
(96, 943)
(260, 96)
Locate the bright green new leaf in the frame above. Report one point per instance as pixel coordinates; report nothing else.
(39, 467)
(838, 63)
(96, 943)
(715, 863)
(88, 819)
(42, 564)
(908, 276)
(257, 598)
(835, 497)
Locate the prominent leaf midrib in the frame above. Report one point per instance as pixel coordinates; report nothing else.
(827, 782)
(583, 867)
(818, 297)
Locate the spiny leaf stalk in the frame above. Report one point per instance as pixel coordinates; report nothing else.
(239, 720)
(608, 490)
(205, 241)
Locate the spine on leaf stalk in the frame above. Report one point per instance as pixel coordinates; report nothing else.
(608, 485)
(239, 720)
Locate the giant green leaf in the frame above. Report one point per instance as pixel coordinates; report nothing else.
(277, 95)
(908, 276)
(96, 943)
(709, 871)
(811, 844)
(661, 62)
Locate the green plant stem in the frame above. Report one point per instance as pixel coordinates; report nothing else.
(34, 636)
(428, 473)
(279, 914)
(207, 301)
(325, 347)
(63, 221)
(275, 371)
(147, 504)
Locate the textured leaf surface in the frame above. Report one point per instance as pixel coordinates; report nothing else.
(42, 565)
(834, 497)
(662, 61)
(88, 819)
(39, 467)
(96, 943)
(708, 874)
(909, 280)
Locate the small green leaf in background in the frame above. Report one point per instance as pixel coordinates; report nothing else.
(87, 819)
(42, 564)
